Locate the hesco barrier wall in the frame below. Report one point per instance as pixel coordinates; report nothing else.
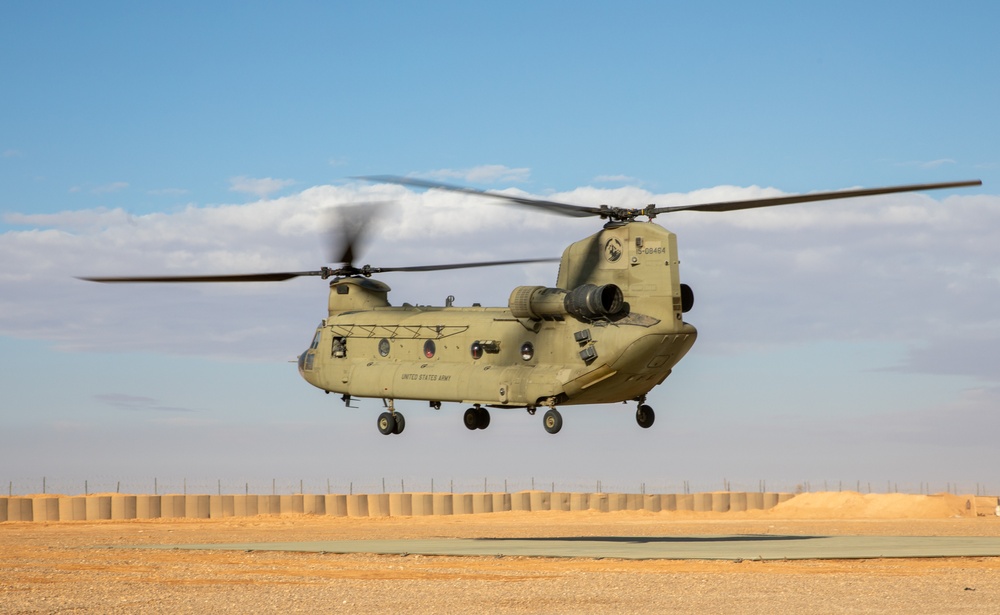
(49, 508)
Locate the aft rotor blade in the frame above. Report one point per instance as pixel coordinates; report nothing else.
(462, 265)
(575, 211)
(246, 277)
(815, 196)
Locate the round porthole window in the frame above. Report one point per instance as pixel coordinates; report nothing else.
(477, 349)
(527, 351)
(384, 347)
(429, 348)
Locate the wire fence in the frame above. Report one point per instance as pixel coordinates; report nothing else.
(56, 485)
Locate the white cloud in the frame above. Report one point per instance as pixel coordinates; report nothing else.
(615, 179)
(903, 268)
(261, 187)
(12, 153)
(483, 174)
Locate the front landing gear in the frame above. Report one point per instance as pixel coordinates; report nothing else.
(645, 416)
(476, 418)
(391, 422)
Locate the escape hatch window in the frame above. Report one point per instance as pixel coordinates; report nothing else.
(429, 349)
(339, 347)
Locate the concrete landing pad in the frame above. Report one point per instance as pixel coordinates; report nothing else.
(740, 547)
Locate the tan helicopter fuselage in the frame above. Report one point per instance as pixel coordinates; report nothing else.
(580, 342)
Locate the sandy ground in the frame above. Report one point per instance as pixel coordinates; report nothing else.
(69, 567)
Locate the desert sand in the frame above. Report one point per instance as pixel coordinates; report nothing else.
(71, 567)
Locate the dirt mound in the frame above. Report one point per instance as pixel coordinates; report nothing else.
(853, 505)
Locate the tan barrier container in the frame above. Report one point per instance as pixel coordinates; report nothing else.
(770, 500)
(45, 509)
(19, 509)
(73, 509)
(123, 507)
(221, 506)
(685, 501)
(579, 501)
(482, 503)
(634, 501)
(702, 502)
(269, 505)
(400, 504)
(198, 506)
(737, 502)
(171, 506)
(423, 504)
(147, 507)
(3, 509)
(444, 504)
(501, 502)
(668, 502)
(336, 505)
(461, 504)
(617, 502)
(98, 507)
(291, 504)
(357, 505)
(651, 503)
(314, 504)
(755, 500)
(245, 506)
(560, 501)
(520, 500)
(599, 502)
(720, 501)
(784, 497)
(540, 500)
(378, 505)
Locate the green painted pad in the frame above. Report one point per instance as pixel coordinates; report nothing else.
(739, 547)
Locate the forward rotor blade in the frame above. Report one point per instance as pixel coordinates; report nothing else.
(815, 196)
(348, 229)
(462, 265)
(247, 277)
(564, 209)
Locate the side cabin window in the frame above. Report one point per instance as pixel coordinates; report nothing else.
(339, 349)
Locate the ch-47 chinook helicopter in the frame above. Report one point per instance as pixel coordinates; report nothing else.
(610, 330)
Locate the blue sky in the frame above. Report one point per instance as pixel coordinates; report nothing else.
(843, 341)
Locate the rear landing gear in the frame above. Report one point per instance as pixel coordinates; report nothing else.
(552, 421)
(476, 418)
(645, 416)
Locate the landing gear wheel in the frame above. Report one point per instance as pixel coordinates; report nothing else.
(400, 424)
(386, 423)
(471, 418)
(482, 418)
(552, 421)
(645, 416)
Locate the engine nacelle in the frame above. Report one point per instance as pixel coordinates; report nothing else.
(586, 302)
